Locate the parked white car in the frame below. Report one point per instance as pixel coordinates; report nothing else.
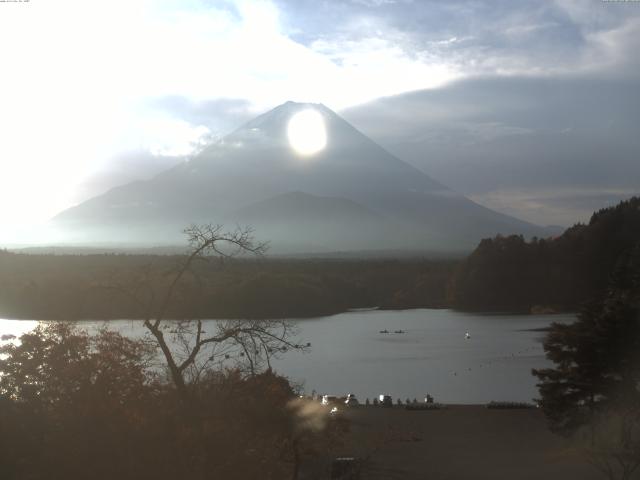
(351, 400)
(328, 400)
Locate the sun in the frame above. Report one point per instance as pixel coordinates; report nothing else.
(307, 132)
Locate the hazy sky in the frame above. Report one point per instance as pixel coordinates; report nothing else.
(95, 93)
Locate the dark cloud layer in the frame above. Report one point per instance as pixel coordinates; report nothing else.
(568, 138)
(585, 129)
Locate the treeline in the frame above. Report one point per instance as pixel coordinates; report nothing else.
(597, 365)
(122, 286)
(502, 274)
(558, 274)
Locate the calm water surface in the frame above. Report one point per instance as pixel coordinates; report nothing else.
(349, 354)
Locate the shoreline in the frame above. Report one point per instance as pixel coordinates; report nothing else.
(297, 316)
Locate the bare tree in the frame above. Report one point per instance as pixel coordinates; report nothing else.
(189, 349)
(611, 442)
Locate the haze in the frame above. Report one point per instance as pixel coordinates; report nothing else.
(529, 108)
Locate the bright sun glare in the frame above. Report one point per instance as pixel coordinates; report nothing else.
(307, 133)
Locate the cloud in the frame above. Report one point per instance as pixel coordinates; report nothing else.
(374, 3)
(562, 206)
(219, 115)
(486, 137)
(490, 36)
(90, 80)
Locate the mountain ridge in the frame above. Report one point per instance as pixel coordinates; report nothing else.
(255, 163)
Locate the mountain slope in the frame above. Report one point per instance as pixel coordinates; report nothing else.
(298, 221)
(303, 207)
(256, 163)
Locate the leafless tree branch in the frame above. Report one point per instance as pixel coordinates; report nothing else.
(254, 342)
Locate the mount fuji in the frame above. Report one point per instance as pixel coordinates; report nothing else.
(350, 196)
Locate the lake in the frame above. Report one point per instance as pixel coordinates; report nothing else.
(349, 354)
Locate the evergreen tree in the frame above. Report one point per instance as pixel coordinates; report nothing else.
(597, 358)
(511, 274)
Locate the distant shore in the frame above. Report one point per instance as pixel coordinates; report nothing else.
(106, 287)
(100, 287)
(297, 316)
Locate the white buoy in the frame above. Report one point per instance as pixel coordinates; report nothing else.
(467, 335)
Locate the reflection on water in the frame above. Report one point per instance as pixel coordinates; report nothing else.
(16, 327)
(349, 354)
